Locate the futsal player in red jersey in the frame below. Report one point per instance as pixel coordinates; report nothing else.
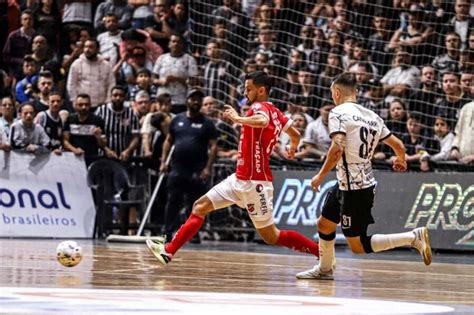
(250, 187)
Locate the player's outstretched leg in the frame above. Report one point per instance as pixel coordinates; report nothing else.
(288, 238)
(418, 238)
(164, 252)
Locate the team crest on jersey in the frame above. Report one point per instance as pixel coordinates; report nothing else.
(259, 188)
(250, 207)
(257, 106)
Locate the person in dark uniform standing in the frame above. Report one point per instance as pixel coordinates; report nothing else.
(194, 137)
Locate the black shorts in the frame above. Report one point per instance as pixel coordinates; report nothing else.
(354, 207)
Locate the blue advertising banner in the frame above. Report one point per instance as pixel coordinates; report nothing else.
(442, 202)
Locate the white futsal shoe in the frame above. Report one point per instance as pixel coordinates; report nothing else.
(422, 244)
(316, 273)
(157, 248)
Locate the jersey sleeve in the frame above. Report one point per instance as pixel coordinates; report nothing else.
(285, 121)
(337, 123)
(384, 133)
(258, 108)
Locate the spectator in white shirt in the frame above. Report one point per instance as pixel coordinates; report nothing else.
(316, 140)
(402, 77)
(172, 72)
(109, 41)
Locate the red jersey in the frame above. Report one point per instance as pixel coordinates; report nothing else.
(256, 144)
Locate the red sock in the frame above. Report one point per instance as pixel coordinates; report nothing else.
(185, 233)
(295, 241)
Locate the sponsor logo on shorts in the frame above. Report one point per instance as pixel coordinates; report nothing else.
(259, 188)
(263, 204)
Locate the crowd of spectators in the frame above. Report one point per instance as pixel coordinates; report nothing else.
(131, 59)
(105, 78)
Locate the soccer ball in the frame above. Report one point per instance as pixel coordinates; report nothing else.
(69, 253)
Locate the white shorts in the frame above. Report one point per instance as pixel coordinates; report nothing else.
(254, 195)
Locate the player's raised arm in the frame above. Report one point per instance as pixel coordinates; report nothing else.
(399, 164)
(255, 121)
(334, 155)
(295, 137)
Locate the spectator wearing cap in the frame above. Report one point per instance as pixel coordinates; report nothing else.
(18, 44)
(194, 138)
(173, 71)
(121, 125)
(402, 77)
(109, 41)
(91, 74)
(144, 83)
(26, 135)
(24, 88)
(423, 101)
(453, 99)
(463, 144)
(449, 60)
(220, 77)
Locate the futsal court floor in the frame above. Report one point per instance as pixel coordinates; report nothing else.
(228, 278)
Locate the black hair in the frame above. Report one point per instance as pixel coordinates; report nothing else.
(92, 39)
(163, 98)
(83, 95)
(346, 79)
(260, 78)
(56, 93)
(20, 109)
(121, 88)
(46, 74)
(144, 71)
(157, 119)
(111, 14)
